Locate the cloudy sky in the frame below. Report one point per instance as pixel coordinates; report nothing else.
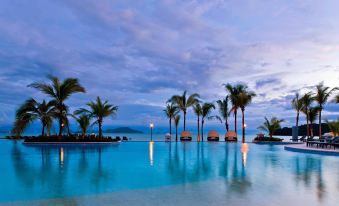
(136, 54)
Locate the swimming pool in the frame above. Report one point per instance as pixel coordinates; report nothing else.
(160, 173)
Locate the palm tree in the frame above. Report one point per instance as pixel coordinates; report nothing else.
(60, 92)
(334, 127)
(32, 110)
(99, 110)
(184, 103)
(206, 110)
(271, 126)
(171, 111)
(198, 111)
(176, 122)
(297, 105)
(245, 98)
(84, 121)
(336, 99)
(312, 115)
(234, 97)
(307, 100)
(321, 97)
(223, 110)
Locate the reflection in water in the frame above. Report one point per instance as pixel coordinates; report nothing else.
(61, 156)
(151, 150)
(88, 169)
(244, 151)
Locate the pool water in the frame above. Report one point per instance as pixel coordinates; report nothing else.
(165, 174)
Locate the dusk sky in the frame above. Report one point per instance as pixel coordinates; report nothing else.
(137, 54)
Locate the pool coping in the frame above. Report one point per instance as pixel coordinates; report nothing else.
(311, 150)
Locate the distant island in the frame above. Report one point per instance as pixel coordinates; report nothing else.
(123, 130)
(287, 131)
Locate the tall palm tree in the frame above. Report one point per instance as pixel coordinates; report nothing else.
(176, 122)
(234, 97)
(223, 110)
(171, 111)
(205, 112)
(297, 105)
(99, 110)
(32, 110)
(307, 101)
(271, 125)
(312, 115)
(198, 111)
(321, 96)
(184, 103)
(60, 92)
(245, 98)
(84, 121)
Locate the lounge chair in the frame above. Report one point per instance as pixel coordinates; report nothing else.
(185, 136)
(213, 136)
(231, 136)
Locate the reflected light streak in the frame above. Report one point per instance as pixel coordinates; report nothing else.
(151, 146)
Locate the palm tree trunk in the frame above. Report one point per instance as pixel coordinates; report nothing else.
(198, 138)
(307, 125)
(297, 120)
(170, 128)
(184, 120)
(43, 130)
(60, 125)
(243, 125)
(202, 129)
(176, 133)
(226, 124)
(235, 122)
(320, 122)
(68, 130)
(100, 130)
(60, 118)
(311, 128)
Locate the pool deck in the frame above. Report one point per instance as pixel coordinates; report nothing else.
(313, 150)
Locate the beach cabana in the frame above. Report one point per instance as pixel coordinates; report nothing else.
(231, 136)
(213, 136)
(168, 137)
(186, 136)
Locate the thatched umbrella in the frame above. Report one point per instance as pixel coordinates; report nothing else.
(231, 136)
(186, 136)
(213, 136)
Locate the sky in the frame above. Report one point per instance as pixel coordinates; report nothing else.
(137, 54)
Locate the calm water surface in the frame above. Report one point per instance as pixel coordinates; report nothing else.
(166, 174)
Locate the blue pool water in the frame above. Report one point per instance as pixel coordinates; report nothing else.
(155, 173)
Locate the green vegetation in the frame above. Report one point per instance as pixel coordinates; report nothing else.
(32, 110)
(171, 111)
(223, 111)
(60, 92)
(322, 95)
(334, 127)
(297, 105)
(183, 103)
(307, 101)
(176, 122)
(99, 110)
(46, 112)
(198, 111)
(271, 125)
(205, 112)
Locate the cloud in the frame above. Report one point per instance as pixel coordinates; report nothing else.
(140, 53)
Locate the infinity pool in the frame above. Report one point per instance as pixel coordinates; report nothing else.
(159, 173)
